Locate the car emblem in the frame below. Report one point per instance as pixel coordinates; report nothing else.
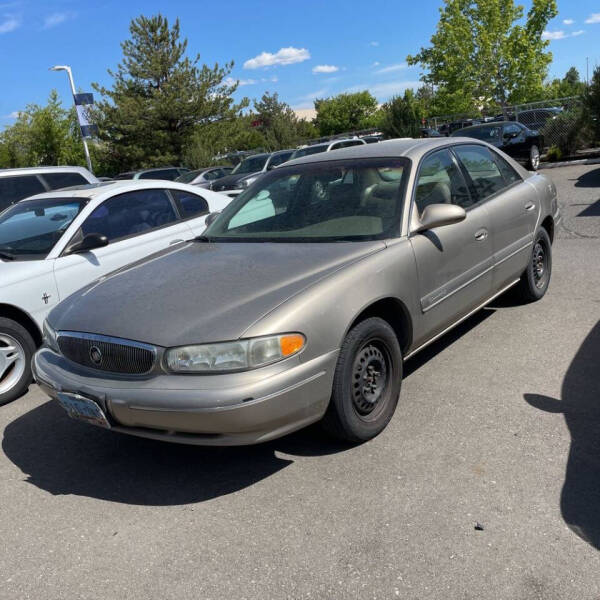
(96, 355)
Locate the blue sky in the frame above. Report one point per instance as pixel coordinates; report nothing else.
(303, 50)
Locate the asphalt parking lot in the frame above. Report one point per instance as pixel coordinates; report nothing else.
(498, 424)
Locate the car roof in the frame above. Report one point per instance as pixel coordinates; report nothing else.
(41, 170)
(93, 190)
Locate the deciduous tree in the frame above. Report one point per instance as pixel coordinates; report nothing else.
(346, 112)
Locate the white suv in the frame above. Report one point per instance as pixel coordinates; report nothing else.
(16, 184)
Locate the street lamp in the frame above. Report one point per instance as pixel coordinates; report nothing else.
(70, 74)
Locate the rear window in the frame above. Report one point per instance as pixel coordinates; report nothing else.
(168, 174)
(13, 189)
(61, 180)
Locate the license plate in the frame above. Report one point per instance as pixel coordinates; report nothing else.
(83, 409)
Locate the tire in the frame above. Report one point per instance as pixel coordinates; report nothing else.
(534, 158)
(16, 351)
(366, 383)
(536, 278)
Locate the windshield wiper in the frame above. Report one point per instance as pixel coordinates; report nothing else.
(6, 256)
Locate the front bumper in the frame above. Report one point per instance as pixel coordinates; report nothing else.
(228, 409)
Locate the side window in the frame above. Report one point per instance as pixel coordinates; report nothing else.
(13, 189)
(441, 182)
(190, 205)
(512, 130)
(279, 159)
(485, 175)
(508, 172)
(61, 180)
(211, 175)
(132, 213)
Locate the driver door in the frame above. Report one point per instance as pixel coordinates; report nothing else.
(454, 262)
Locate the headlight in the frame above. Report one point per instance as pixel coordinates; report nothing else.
(244, 183)
(49, 335)
(234, 356)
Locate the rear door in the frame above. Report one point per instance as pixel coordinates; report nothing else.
(454, 262)
(513, 207)
(136, 224)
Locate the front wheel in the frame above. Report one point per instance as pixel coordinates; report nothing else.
(536, 278)
(16, 350)
(534, 158)
(366, 383)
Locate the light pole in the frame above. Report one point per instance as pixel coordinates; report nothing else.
(85, 146)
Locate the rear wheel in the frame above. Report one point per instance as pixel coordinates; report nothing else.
(536, 278)
(534, 158)
(366, 383)
(16, 351)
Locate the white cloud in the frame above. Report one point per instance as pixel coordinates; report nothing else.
(325, 69)
(240, 82)
(9, 24)
(593, 18)
(13, 115)
(384, 91)
(284, 56)
(56, 19)
(553, 35)
(376, 64)
(578, 32)
(568, 21)
(374, 44)
(391, 68)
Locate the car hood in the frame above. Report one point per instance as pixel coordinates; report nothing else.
(202, 292)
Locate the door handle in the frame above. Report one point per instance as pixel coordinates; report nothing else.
(530, 206)
(481, 235)
(172, 242)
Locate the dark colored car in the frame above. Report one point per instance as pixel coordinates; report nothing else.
(535, 119)
(518, 141)
(204, 177)
(168, 173)
(449, 128)
(428, 132)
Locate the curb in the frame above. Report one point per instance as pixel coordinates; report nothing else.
(568, 163)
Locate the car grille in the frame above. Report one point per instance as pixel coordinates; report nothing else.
(109, 354)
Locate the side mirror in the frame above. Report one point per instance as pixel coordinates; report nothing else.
(437, 215)
(90, 242)
(211, 218)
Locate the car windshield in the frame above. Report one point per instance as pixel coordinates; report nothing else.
(30, 229)
(251, 165)
(309, 150)
(189, 176)
(349, 200)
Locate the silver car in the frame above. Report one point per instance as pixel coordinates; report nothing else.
(304, 296)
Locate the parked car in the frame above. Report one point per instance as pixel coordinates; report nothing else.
(166, 173)
(52, 244)
(302, 298)
(511, 137)
(372, 139)
(204, 178)
(327, 147)
(449, 128)
(536, 118)
(428, 132)
(16, 184)
(249, 169)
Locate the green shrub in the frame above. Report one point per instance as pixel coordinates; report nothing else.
(554, 154)
(568, 131)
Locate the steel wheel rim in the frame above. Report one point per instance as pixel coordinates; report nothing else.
(535, 157)
(371, 376)
(540, 265)
(12, 362)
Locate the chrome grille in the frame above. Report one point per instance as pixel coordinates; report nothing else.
(103, 353)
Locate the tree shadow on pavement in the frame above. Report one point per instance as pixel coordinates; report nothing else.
(589, 179)
(580, 405)
(62, 456)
